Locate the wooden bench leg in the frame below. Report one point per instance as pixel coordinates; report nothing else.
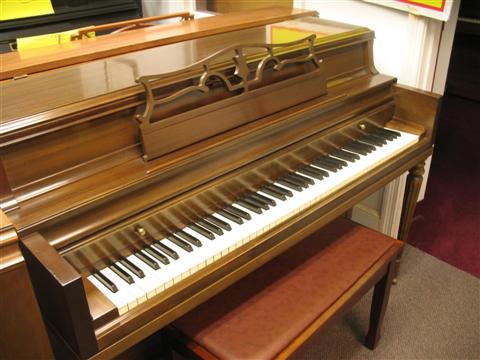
(381, 294)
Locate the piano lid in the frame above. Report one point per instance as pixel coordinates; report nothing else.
(32, 99)
(51, 57)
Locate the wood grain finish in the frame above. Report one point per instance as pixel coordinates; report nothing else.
(61, 295)
(23, 333)
(101, 309)
(32, 100)
(242, 95)
(379, 306)
(412, 189)
(62, 180)
(86, 184)
(131, 24)
(51, 57)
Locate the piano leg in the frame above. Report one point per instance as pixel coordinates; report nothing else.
(412, 189)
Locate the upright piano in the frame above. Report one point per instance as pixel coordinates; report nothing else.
(139, 184)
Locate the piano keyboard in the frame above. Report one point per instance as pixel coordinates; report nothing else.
(151, 270)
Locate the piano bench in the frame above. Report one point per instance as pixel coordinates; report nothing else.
(274, 310)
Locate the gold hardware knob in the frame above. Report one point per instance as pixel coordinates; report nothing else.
(362, 126)
(141, 231)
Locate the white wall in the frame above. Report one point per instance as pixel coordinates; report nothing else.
(399, 36)
(160, 7)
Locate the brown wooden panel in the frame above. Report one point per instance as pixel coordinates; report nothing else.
(56, 152)
(421, 107)
(22, 331)
(60, 293)
(102, 310)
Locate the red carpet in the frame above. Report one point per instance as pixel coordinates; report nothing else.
(447, 221)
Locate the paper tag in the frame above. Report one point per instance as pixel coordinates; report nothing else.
(17, 9)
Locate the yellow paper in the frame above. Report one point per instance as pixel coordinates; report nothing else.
(16, 9)
(35, 42)
(434, 4)
(282, 34)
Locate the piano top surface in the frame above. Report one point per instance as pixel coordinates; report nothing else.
(27, 100)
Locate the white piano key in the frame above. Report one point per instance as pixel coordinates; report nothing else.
(117, 299)
(136, 287)
(177, 269)
(128, 291)
(240, 234)
(152, 280)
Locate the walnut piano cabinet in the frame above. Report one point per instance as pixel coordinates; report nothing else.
(98, 166)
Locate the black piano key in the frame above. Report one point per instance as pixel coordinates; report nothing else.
(259, 203)
(289, 184)
(312, 174)
(294, 180)
(157, 255)
(210, 227)
(150, 262)
(279, 189)
(236, 211)
(219, 222)
(202, 231)
(231, 217)
(345, 155)
(371, 141)
(275, 194)
(391, 132)
(355, 149)
(187, 237)
(384, 135)
(368, 147)
(167, 250)
(379, 138)
(122, 273)
(105, 281)
(303, 178)
(249, 206)
(132, 267)
(325, 165)
(339, 162)
(328, 160)
(317, 171)
(180, 243)
(265, 199)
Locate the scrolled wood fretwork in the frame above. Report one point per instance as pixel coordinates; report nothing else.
(241, 80)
